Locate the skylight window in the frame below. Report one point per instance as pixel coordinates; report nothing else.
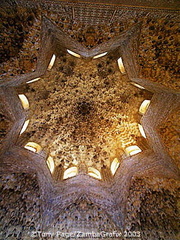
(70, 172)
(114, 166)
(141, 130)
(94, 173)
(51, 64)
(33, 80)
(144, 106)
(132, 150)
(34, 147)
(24, 101)
(100, 55)
(50, 163)
(121, 66)
(73, 53)
(24, 126)
(137, 85)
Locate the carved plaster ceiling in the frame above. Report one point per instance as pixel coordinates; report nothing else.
(84, 112)
(81, 112)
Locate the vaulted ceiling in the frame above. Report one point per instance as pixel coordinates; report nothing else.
(84, 112)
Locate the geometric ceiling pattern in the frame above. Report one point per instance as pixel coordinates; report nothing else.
(88, 135)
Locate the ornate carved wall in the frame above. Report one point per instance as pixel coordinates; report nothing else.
(84, 112)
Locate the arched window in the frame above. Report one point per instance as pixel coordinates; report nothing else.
(34, 147)
(141, 130)
(73, 53)
(114, 166)
(137, 85)
(51, 64)
(24, 101)
(50, 163)
(24, 126)
(70, 172)
(94, 173)
(33, 80)
(144, 106)
(100, 55)
(121, 66)
(132, 150)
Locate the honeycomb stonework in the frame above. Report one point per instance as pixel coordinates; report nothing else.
(158, 45)
(20, 205)
(84, 112)
(171, 136)
(87, 110)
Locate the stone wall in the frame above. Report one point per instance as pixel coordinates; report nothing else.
(4, 127)
(153, 208)
(170, 135)
(20, 205)
(158, 43)
(20, 29)
(84, 216)
(158, 51)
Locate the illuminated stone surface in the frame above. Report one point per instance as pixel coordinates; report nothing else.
(84, 113)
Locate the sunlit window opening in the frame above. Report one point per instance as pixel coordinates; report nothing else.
(94, 173)
(144, 106)
(73, 53)
(132, 150)
(70, 172)
(137, 85)
(141, 130)
(24, 101)
(50, 163)
(100, 55)
(114, 166)
(121, 65)
(51, 64)
(34, 147)
(33, 80)
(24, 126)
